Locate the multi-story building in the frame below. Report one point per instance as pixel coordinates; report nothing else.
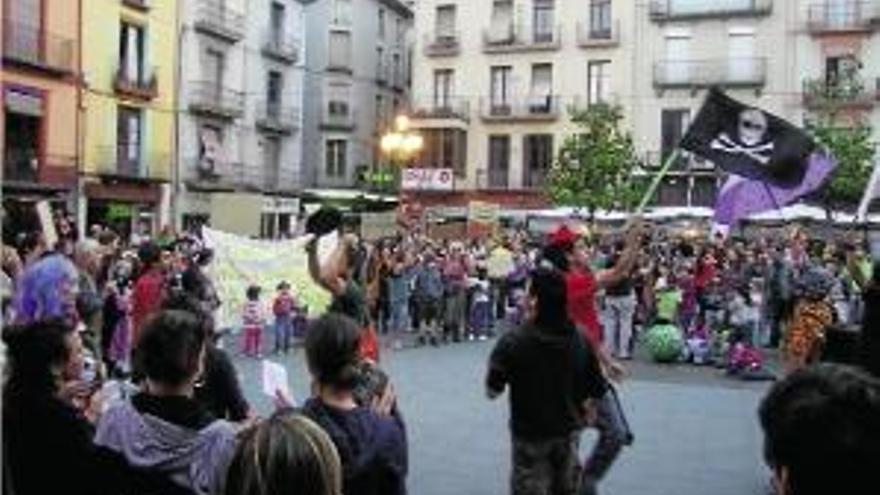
(494, 79)
(239, 129)
(357, 80)
(40, 75)
(129, 50)
(495, 82)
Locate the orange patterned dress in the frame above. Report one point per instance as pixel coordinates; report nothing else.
(806, 332)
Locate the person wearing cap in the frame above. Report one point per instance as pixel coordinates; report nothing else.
(564, 251)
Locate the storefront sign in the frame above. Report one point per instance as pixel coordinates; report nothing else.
(427, 179)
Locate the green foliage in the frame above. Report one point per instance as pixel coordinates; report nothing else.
(852, 147)
(595, 168)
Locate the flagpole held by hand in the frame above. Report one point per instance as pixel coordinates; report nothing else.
(655, 183)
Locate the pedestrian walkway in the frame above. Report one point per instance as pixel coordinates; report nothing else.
(696, 432)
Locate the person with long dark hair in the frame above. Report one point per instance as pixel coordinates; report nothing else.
(552, 378)
(366, 428)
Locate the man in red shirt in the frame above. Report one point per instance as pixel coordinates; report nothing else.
(566, 252)
(148, 289)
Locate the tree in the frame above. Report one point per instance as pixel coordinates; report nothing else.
(596, 167)
(847, 136)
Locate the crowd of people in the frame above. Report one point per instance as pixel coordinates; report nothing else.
(114, 375)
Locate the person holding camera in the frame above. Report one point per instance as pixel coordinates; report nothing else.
(354, 403)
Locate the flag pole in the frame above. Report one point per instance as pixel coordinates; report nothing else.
(655, 183)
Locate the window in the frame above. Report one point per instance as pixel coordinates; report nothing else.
(500, 91)
(395, 107)
(340, 49)
(337, 100)
(600, 19)
(840, 69)
(211, 155)
(443, 81)
(380, 112)
(274, 85)
(24, 120)
(380, 64)
(213, 67)
(501, 29)
(398, 28)
(128, 141)
(342, 12)
(337, 155)
(543, 21)
(673, 123)
(271, 161)
(599, 81)
(398, 74)
(540, 98)
(276, 23)
(537, 158)
(381, 23)
(131, 52)
(499, 161)
(445, 22)
(741, 61)
(678, 66)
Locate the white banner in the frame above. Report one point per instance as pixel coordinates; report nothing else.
(427, 179)
(240, 262)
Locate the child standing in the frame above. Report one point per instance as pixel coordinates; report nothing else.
(481, 307)
(253, 321)
(283, 307)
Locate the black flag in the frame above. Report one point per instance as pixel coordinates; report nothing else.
(748, 141)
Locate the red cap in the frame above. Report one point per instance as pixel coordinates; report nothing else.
(563, 235)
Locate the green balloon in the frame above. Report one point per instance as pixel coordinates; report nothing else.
(665, 343)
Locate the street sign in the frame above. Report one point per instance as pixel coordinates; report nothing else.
(427, 179)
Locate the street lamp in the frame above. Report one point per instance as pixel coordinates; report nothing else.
(401, 143)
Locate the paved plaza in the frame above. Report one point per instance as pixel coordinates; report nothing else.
(696, 431)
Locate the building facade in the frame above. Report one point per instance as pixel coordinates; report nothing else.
(495, 80)
(357, 80)
(240, 122)
(39, 93)
(129, 50)
(495, 83)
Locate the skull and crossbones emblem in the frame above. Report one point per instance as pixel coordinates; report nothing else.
(752, 130)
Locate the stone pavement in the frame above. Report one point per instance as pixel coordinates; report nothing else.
(696, 431)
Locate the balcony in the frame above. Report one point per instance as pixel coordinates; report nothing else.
(675, 10)
(278, 47)
(24, 169)
(534, 178)
(209, 98)
(589, 36)
(276, 118)
(843, 17)
(452, 108)
(338, 121)
(142, 86)
(216, 19)
(340, 66)
(515, 40)
(854, 93)
(493, 178)
(114, 162)
(29, 47)
(696, 74)
(533, 109)
(141, 5)
(442, 44)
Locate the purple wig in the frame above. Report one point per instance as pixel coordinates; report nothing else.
(46, 290)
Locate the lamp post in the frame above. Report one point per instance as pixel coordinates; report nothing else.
(401, 145)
